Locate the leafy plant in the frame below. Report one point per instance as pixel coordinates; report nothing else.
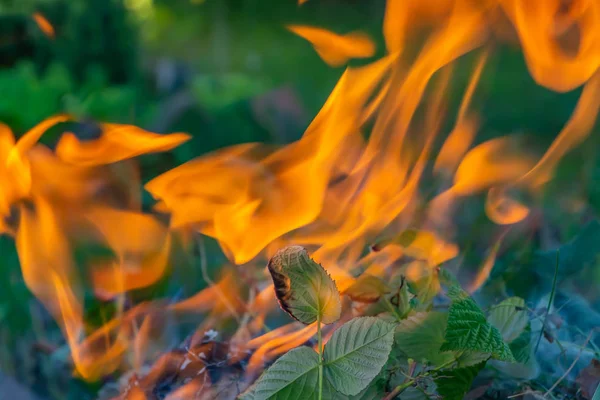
(401, 349)
(468, 330)
(351, 359)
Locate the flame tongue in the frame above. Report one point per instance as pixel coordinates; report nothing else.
(356, 175)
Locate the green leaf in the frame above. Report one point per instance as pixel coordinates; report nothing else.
(356, 353)
(510, 318)
(454, 384)
(293, 376)
(597, 393)
(469, 358)
(527, 367)
(521, 346)
(447, 278)
(424, 284)
(371, 392)
(420, 336)
(303, 287)
(468, 329)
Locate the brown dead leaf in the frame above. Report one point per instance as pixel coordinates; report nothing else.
(589, 378)
(367, 289)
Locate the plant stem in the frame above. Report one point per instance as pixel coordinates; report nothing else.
(403, 386)
(549, 302)
(392, 308)
(587, 340)
(399, 389)
(320, 348)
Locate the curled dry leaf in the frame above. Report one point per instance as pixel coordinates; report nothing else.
(589, 380)
(303, 288)
(367, 289)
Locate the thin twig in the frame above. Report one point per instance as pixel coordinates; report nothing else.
(587, 339)
(407, 382)
(528, 391)
(399, 389)
(203, 269)
(402, 387)
(392, 308)
(549, 302)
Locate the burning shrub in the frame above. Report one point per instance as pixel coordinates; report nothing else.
(383, 295)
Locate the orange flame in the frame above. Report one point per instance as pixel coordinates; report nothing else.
(336, 49)
(542, 25)
(142, 246)
(117, 143)
(354, 176)
(55, 202)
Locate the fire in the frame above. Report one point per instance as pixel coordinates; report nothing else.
(544, 26)
(336, 49)
(356, 176)
(117, 143)
(48, 205)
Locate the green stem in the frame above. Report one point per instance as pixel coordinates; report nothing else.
(320, 351)
(402, 387)
(399, 389)
(392, 308)
(549, 302)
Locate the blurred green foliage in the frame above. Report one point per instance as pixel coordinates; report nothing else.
(217, 92)
(88, 33)
(30, 97)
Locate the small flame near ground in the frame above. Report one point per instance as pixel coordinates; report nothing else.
(354, 177)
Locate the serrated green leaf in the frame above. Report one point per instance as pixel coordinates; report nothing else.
(420, 336)
(470, 358)
(294, 376)
(521, 346)
(510, 318)
(454, 384)
(303, 287)
(526, 369)
(356, 353)
(468, 330)
(447, 278)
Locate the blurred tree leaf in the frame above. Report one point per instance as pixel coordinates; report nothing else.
(218, 91)
(303, 287)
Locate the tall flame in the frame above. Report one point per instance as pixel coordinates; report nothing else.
(356, 175)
